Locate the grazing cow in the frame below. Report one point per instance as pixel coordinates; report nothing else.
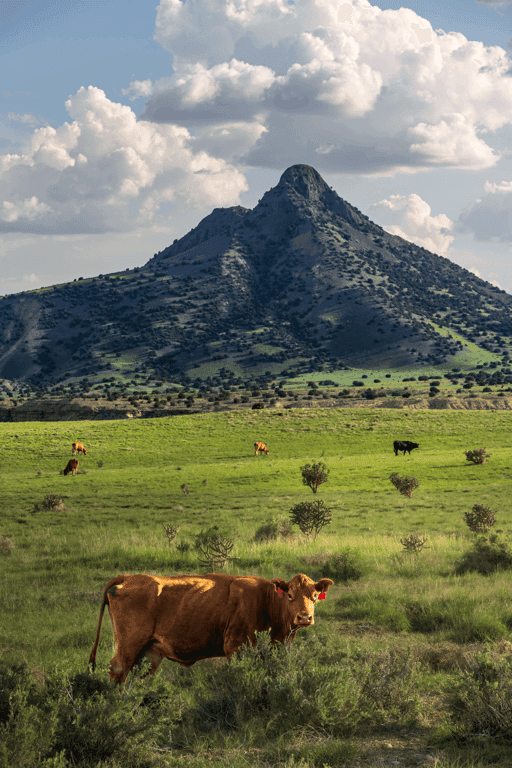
(404, 445)
(188, 618)
(79, 448)
(72, 466)
(260, 447)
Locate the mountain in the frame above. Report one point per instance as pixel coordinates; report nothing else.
(302, 282)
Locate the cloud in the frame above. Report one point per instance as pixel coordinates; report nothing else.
(26, 119)
(342, 85)
(105, 171)
(414, 222)
(490, 217)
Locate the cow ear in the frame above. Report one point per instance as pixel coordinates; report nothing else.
(323, 585)
(280, 583)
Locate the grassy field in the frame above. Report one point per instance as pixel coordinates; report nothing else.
(404, 618)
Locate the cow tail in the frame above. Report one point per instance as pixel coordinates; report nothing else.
(112, 583)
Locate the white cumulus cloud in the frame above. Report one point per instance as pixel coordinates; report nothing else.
(340, 84)
(415, 223)
(105, 172)
(490, 217)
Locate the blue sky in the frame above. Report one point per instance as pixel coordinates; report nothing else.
(123, 123)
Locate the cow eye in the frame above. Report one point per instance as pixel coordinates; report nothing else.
(290, 597)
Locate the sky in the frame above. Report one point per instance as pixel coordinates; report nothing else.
(123, 123)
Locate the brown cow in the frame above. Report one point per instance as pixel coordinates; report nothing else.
(78, 447)
(187, 618)
(72, 466)
(260, 447)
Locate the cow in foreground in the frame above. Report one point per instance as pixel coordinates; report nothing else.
(404, 445)
(79, 448)
(188, 618)
(72, 466)
(261, 447)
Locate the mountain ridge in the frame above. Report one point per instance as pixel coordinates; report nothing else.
(301, 282)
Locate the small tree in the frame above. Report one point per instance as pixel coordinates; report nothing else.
(477, 456)
(480, 519)
(405, 485)
(171, 531)
(413, 543)
(314, 475)
(311, 516)
(215, 547)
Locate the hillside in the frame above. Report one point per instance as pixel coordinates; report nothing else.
(303, 282)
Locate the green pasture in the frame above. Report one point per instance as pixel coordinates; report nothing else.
(134, 469)
(130, 483)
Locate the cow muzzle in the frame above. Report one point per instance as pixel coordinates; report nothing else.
(304, 619)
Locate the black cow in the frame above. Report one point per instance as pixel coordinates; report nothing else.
(404, 445)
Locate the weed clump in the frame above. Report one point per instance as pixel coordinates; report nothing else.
(486, 556)
(6, 545)
(480, 519)
(413, 543)
(314, 475)
(477, 456)
(405, 485)
(51, 502)
(80, 720)
(272, 528)
(311, 516)
(345, 565)
(215, 548)
(482, 702)
(171, 531)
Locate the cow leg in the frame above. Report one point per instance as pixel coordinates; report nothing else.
(121, 664)
(154, 655)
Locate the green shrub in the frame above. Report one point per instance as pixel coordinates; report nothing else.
(6, 545)
(311, 516)
(480, 519)
(314, 475)
(482, 701)
(486, 556)
(345, 565)
(405, 485)
(477, 456)
(273, 528)
(79, 720)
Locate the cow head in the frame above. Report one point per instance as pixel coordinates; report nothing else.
(299, 596)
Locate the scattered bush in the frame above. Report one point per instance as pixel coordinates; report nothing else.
(486, 557)
(345, 565)
(272, 528)
(314, 475)
(477, 456)
(405, 485)
(79, 720)
(480, 519)
(171, 531)
(413, 543)
(310, 516)
(482, 701)
(51, 502)
(215, 547)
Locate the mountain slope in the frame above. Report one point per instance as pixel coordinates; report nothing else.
(302, 281)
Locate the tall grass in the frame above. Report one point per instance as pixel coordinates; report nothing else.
(384, 600)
